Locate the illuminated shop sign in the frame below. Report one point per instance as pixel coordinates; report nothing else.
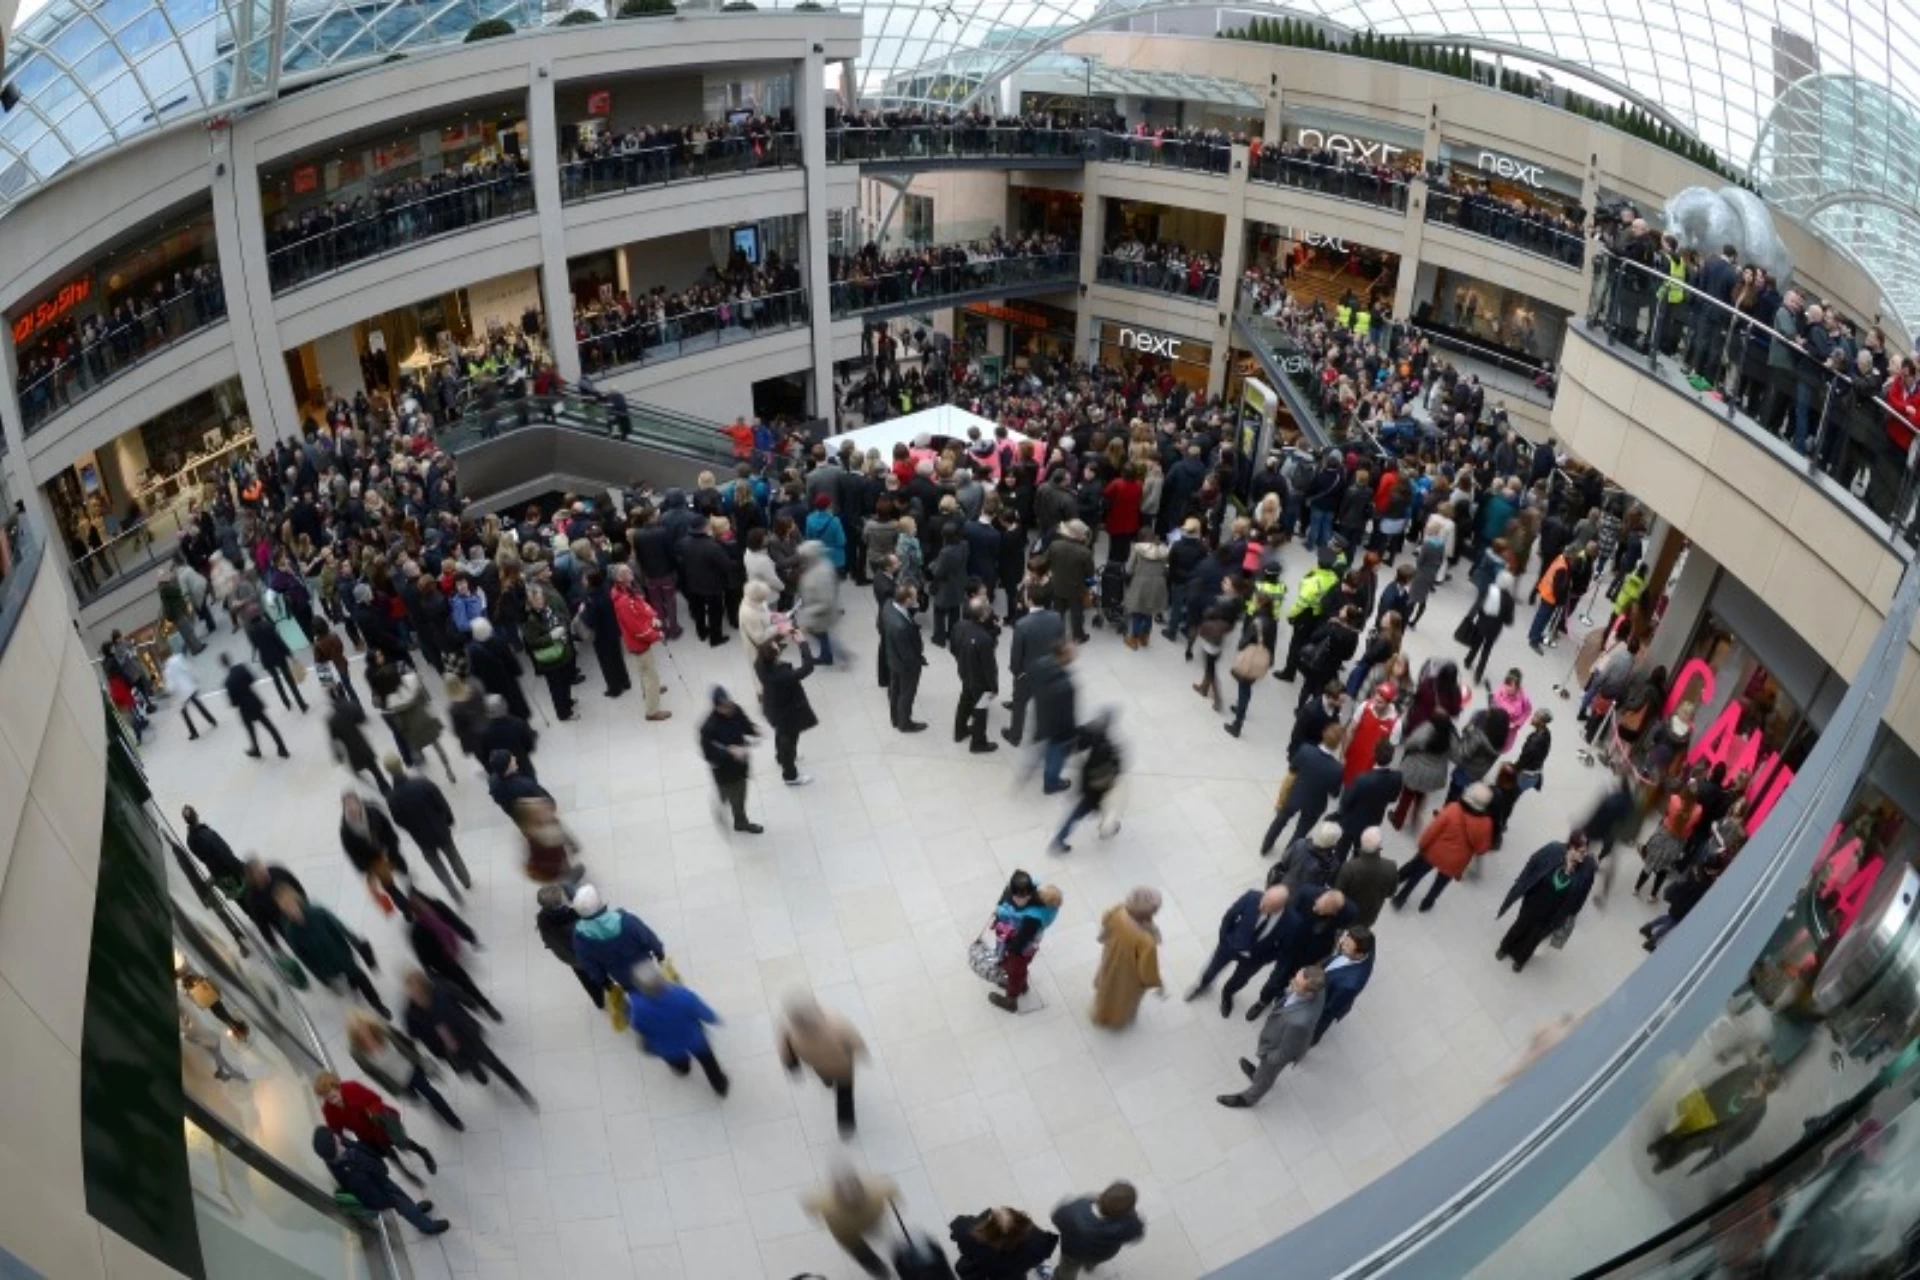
(71, 295)
(1318, 241)
(1532, 175)
(1153, 344)
(1348, 145)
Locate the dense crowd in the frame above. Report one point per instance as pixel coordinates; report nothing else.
(324, 237)
(71, 358)
(1164, 265)
(1328, 171)
(615, 159)
(742, 298)
(1473, 206)
(872, 278)
(1829, 386)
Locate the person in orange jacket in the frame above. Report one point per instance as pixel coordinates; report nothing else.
(1460, 833)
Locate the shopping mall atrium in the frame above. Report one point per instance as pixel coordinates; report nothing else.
(400, 382)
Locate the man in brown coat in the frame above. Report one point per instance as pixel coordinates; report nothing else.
(827, 1045)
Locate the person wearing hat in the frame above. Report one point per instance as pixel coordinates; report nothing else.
(1249, 940)
(724, 738)
(609, 943)
(1550, 889)
(1458, 834)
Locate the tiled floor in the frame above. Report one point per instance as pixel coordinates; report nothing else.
(868, 886)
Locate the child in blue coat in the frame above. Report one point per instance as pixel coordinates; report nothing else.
(671, 1022)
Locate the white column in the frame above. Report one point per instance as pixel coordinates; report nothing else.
(240, 232)
(810, 110)
(1272, 128)
(1090, 224)
(1233, 251)
(543, 140)
(1412, 233)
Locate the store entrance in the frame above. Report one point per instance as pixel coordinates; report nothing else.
(781, 397)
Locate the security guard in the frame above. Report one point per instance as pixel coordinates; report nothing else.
(1267, 587)
(1362, 324)
(1310, 606)
(1343, 316)
(1555, 588)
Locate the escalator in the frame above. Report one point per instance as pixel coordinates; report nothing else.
(516, 449)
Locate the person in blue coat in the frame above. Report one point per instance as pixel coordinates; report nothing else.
(1347, 975)
(610, 943)
(1250, 937)
(672, 1022)
(824, 527)
(362, 1173)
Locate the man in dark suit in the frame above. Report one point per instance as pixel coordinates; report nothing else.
(1039, 632)
(1365, 803)
(1249, 938)
(246, 702)
(902, 647)
(1285, 1038)
(1719, 277)
(885, 581)
(1316, 772)
(1347, 975)
(1309, 721)
(1308, 931)
(974, 648)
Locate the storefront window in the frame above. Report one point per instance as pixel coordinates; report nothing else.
(1323, 268)
(1130, 347)
(1452, 302)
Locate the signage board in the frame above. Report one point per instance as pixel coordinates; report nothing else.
(1531, 175)
(1362, 149)
(1149, 343)
(72, 294)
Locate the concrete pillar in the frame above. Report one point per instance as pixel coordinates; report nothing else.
(810, 112)
(1271, 129)
(240, 230)
(1091, 216)
(1233, 252)
(1412, 232)
(622, 271)
(1590, 200)
(1687, 594)
(543, 140)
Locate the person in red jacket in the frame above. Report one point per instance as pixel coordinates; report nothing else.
(1903, 396)
(1122, 495)
(350, 1107)
(640, 631)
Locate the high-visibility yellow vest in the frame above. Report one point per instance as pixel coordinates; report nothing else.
(1313, 587)
(1362, 323)
(1265, 590)
(1343, 315)
(1677, 274)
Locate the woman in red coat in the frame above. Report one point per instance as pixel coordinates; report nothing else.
(350, 1107)
(1123, 512)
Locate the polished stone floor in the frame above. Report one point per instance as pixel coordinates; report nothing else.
(867, 887)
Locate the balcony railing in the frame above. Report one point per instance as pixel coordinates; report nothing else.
(132, 551)
(22, 552)
(621, 170)
(1160, 153)
(926, 284)
(936, 142)
(124, 346)
(1158, 277)
(619, 347)
(1495, 221)
(1798, 390)
(1342, 182)
(298, 259)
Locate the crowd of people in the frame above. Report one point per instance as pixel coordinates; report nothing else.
(612, 159)
(1474, 206)
(70, 358)
(917, 131)
(1330, 172)
(1828, 386)
(327, 236)
(1162, 265)
(871, 278)
(1107, 496)
(743, 298)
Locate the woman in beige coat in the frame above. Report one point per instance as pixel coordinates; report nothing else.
(1129, 959)
(825, 1044)
(756, 624)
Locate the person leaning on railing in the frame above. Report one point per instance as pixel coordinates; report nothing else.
(659, 153)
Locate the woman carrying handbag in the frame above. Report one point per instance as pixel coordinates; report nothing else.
(1006, 948)
(1255, 656)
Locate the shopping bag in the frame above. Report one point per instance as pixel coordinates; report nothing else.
(614, 1000)
(299, 669)
(1464, 633)
(1252, 662)
(983, 957)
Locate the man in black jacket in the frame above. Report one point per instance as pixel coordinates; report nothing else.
(723, 741)
(974, 647)
(554, 922)
(507, 732)
(439, 1020)
(653, 548)
(491, 662)
(1056, 722)
(1365, 803)
(703, 576)
(1037, 634)
(783, 699)
(902, 649)
(420, 809)
(361, 1172)
(247, 705)
(224, 868)
(885, 582)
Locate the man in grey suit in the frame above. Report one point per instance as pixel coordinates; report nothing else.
(1039, 632)
(1285, 1037)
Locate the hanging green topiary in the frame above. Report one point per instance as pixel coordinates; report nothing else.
(646, 8)
(578, 18)
(488, 28)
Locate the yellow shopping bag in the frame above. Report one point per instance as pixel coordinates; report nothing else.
(615, 1001)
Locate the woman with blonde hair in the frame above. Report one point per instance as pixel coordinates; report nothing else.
(1129, 959)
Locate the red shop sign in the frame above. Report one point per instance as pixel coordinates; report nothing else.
(71, 295)
(600, 102)
(305, 179)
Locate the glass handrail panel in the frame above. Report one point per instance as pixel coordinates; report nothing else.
(297, 255)
(1493, 219)
(112, 346)
(619, 169)
(1158, 276)
(926, 281)
(1360, 183)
